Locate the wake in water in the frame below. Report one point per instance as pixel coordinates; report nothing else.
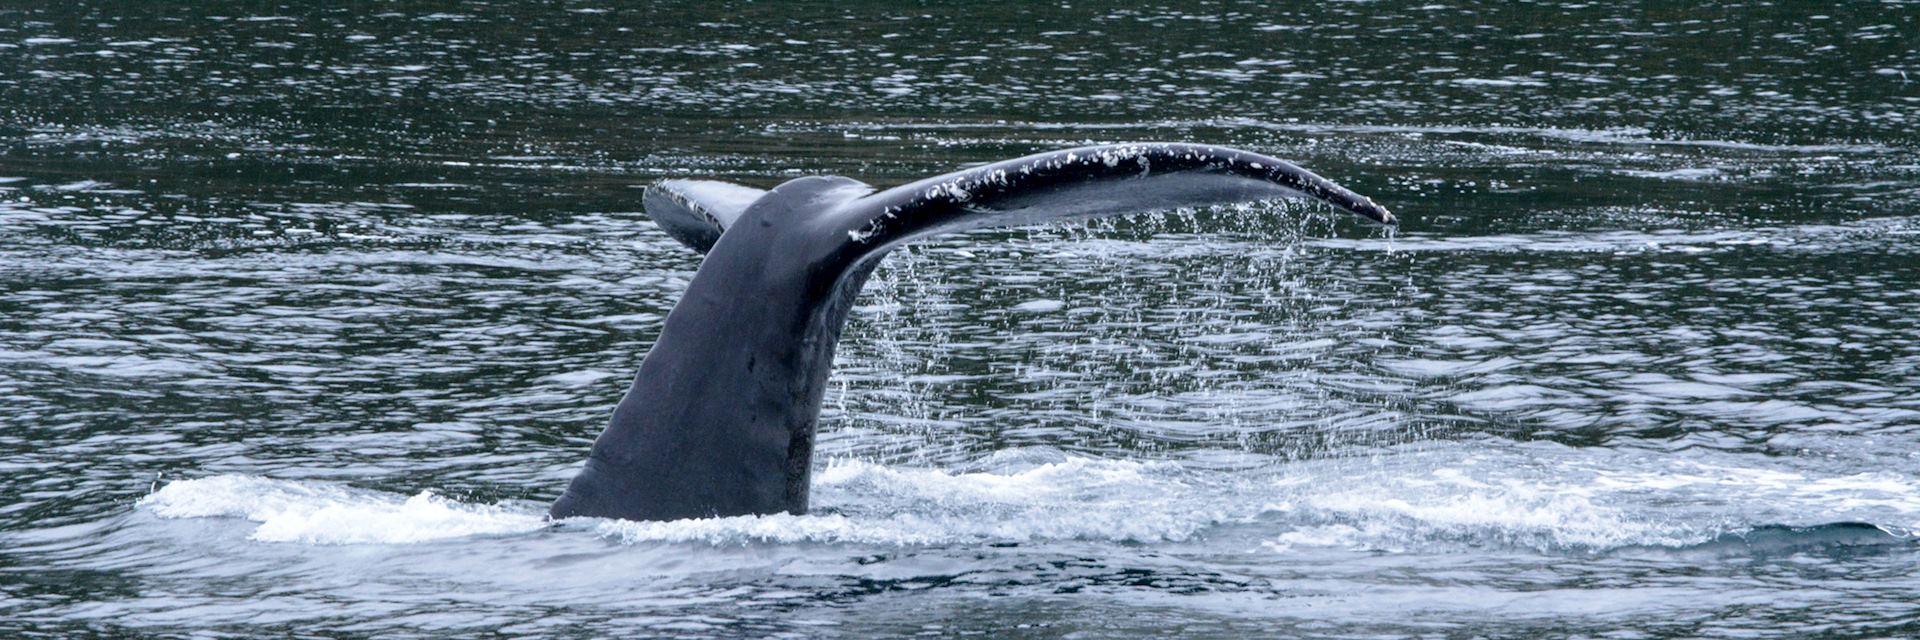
(1399, 503)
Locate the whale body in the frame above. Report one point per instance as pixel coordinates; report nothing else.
(720, 419)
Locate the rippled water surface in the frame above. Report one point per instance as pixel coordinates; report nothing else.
(307, 313)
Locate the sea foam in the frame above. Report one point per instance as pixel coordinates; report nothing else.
(326, 513)
(1390, 503)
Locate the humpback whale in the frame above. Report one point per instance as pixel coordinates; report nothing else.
(720, 419)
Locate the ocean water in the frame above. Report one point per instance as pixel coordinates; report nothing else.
(307, 313)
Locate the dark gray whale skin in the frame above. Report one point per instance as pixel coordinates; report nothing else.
(720, 420)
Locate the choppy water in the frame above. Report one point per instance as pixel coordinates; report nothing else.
(307, 313)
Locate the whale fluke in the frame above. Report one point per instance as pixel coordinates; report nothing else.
(720, 420)
(696, 212)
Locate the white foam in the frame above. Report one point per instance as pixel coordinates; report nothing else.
(324, 513)
(1333, 535)
(1537, 498)
(1534, 497)
(1839, 497)
(1388, 513)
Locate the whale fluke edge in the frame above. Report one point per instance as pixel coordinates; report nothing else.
(720, 419)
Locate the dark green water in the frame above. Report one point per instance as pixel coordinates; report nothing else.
(307, 313)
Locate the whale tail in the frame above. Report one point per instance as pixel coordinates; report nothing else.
(696, 212)
(720, 420)
(1077, 183)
